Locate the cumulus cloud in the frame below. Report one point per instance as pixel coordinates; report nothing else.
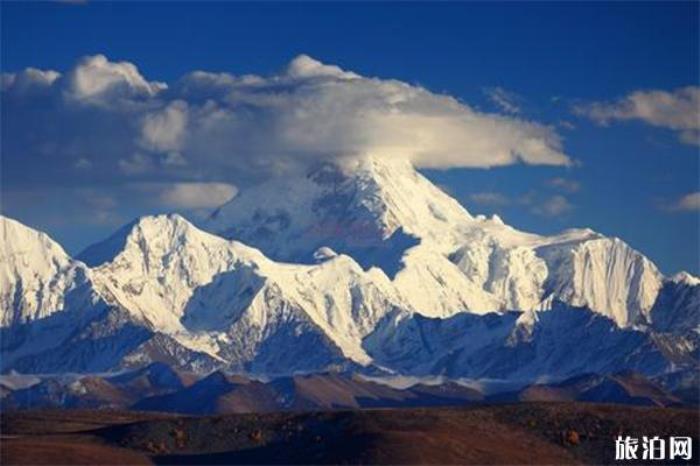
(315, 111)
(164, 130)
(304, 66)
(689, 203)
(310, 111)
(678, 110)
(104, 125)
(95, 77)
(29, 79)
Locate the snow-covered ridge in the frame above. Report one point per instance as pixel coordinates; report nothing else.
(346, 208)
(685, 278)
(369, 267)
(37, 277)
(442, 259)
(213, 294)
(162, 260)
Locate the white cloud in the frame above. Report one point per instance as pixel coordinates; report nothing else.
(107, 120)
(553, 206)
(196, 195)
(489, 199)
(304, 66)
(315, 111)
(689, 202)
(505, 100)
(29, 79)
(678, 110)
(96, 77)
(164, 129)
(564, 184)
(536, 203)
(310, 112)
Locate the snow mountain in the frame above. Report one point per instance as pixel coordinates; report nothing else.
(369, 268)
(228, 300)
(442, 259)
(54, 318)
(37, 277)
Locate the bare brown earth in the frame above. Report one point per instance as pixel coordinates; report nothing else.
(525, 433)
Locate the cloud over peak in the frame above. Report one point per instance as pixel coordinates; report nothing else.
(103, 127)
(222, 123)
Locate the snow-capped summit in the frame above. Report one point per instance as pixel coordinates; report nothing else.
(367, 267)
(349, 209)
(37, 277)
(153, 265)
(324, 253)
(685, 278)
(443, 260)
(226, 299)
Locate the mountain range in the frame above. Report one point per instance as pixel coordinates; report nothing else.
(366, 268)
(157, 387)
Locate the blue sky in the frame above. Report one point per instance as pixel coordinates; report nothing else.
(542, 60)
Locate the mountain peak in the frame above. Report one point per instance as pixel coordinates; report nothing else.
(16, 236)
(170, 228)
(685, 278)
(162, 229)
(351, 208)
(169, 291)
(162, 219)
(36, 275)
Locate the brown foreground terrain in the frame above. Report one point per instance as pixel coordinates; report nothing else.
(524, 433)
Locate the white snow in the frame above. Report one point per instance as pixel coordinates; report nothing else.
(324, 253)
(36, 275)
(192, 285)
(685, 278)
(457, 262)
(334, 263)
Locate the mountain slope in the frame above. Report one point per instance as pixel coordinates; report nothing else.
(37, 277)
(677, 307)
(622, 388)
(441, 259)
(556, 343)
(45, 296)
(60, 320)
(392, 276)
(349, 209)
(225, 299)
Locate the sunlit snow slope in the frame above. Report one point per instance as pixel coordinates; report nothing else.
(367, 268)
